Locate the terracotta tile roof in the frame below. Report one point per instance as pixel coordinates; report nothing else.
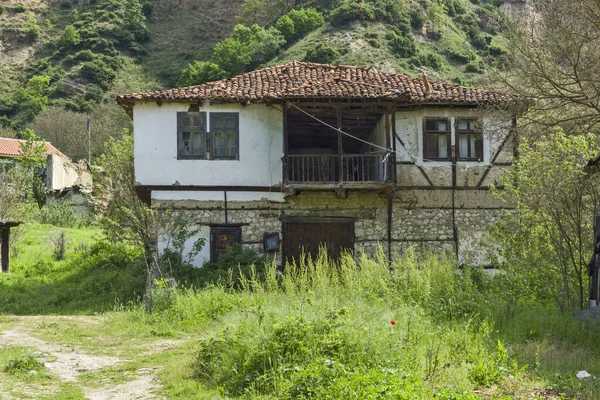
(309, 80)
(12, 148)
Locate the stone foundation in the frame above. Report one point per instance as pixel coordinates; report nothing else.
(429, 229)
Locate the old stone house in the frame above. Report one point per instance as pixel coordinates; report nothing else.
(290, 157)
(64, 179)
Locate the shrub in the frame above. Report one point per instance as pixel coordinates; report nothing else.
(475, 66)
(417, 18)
(461, 55)
(349, 11)
(481, 41)
(429, 60)
(321, 53)
(2, 8)
(19, 8)
(33, 31)
(299, 22)
(23, 364)
(232, 56)
(233, 265)
(59, 244)
(61, 214)
(285, 25)
(70, 37)
(454, 7)
(198, 72)
(404, 46)
(305, 20)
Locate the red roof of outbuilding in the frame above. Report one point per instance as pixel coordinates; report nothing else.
(309, 80)
(12, 148)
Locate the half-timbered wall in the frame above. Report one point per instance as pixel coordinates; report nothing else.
(435, 205)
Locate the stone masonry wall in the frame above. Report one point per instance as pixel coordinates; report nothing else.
(429, 229)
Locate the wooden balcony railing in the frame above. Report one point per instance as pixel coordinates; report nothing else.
(326, 168)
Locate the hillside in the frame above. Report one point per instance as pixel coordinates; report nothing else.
(76, 54)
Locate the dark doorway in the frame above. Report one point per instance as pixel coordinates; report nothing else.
(307, 235)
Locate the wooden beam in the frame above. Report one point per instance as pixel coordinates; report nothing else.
(340, 146)
(489, 167)
(285, 143)
(5, 254)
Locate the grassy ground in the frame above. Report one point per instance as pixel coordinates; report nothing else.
(92, 277)
(333, 332)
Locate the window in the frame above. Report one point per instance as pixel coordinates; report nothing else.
(191, 135)
(469, 140)
(224, 136)
(436, 139)
(221, 238)
(271, 242)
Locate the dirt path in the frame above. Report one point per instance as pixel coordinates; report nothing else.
(68, 362)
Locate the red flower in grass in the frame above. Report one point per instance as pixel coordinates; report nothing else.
(393, 322)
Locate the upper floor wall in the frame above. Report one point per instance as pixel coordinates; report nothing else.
(254, 147)
(416, 169)
(158, 153)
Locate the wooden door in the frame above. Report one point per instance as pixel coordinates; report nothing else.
(333, 234)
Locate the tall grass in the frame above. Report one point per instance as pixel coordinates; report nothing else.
(364, 328)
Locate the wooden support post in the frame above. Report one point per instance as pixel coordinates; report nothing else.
(285, 143)
(339, 139)
(5, 232)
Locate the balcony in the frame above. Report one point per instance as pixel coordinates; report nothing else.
(372, 170)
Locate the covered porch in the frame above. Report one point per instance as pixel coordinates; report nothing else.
(337, 144)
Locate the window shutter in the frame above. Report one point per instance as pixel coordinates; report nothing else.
(224, 134)
(191, 135)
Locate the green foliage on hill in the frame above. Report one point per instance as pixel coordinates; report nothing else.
(80, 60)
(452, 39)
(87, 53)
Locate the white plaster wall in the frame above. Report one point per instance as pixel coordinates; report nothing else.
(61, 173)
(155, 147)
(217, 196)
(409, 127)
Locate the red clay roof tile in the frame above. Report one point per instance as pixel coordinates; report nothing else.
(309, 80)
(12, 148)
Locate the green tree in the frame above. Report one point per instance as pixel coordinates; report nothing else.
(547, 241)
(232, 56)
(70, 37)
(321, 53)
(31, 99)
(198, 72)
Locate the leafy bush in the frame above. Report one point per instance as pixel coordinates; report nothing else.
(2, 8)
(349, 11)
(475, 66)
(19, 8)
(321, 53)
(233, 266)
(417, 18)
(461, 55)
(232, 56)
(404, 46)
(198, 72)
(23, 364)
(299, 22)
(59, 243)
(70, 37)
(429, 60)
(454, 7)
(61, 214)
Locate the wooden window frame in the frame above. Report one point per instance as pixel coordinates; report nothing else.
(214, 130)
(448, 133)
(180, 115)
(475, 132)
(222, 230)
